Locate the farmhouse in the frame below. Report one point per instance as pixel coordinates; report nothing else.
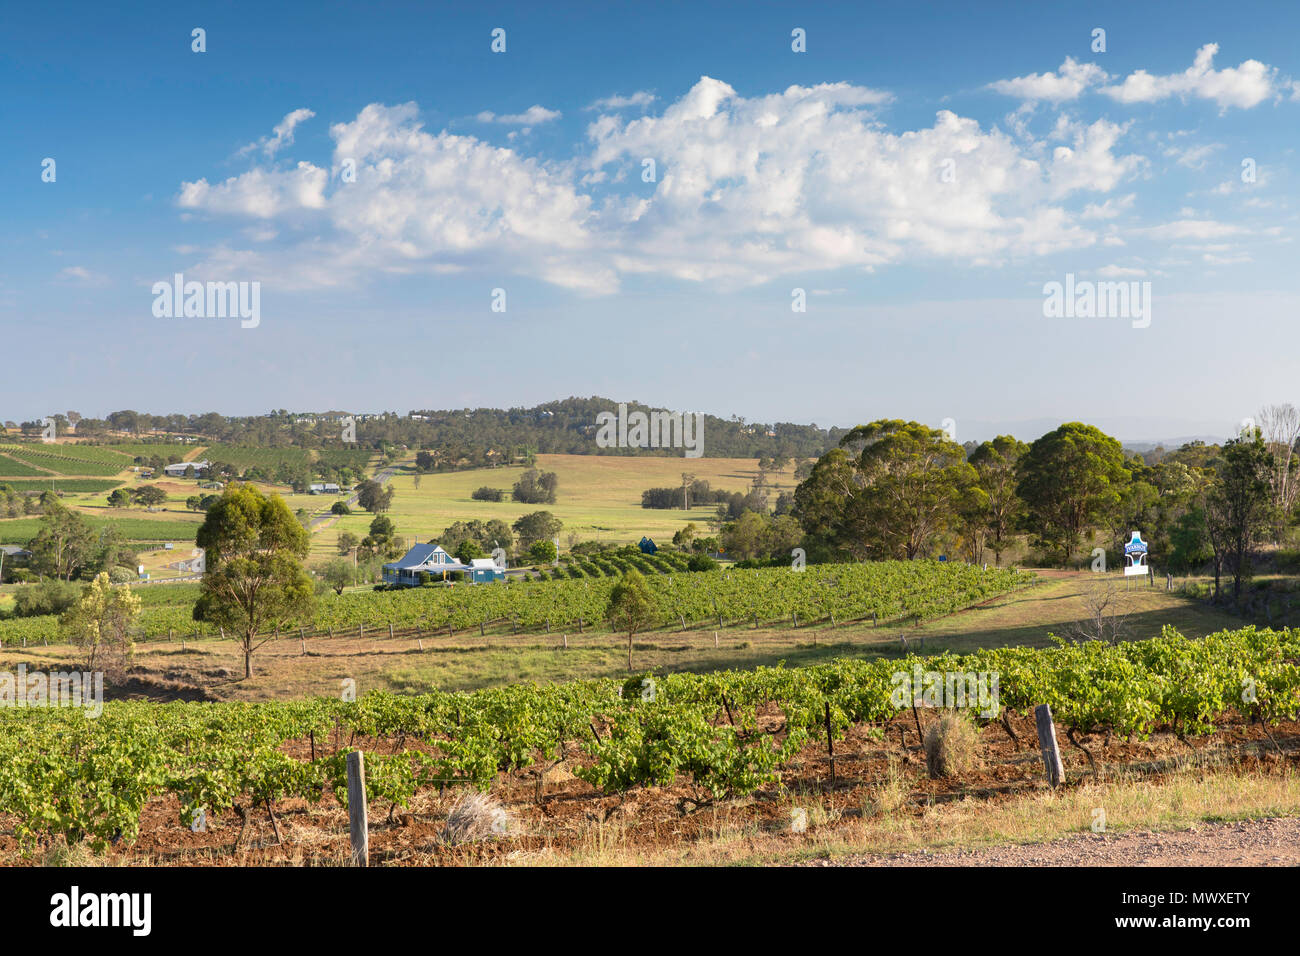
(323, 488)
(433, 560)
(179, 468)
(15, 552)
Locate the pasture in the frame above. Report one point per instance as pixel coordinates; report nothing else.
(599, 498)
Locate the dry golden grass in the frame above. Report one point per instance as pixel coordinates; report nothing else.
(1176, 801)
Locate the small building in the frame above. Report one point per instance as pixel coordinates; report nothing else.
(15, 552)
(485, 570)
(211, 485)
(323, 488)
(647, 546)
(180, 468)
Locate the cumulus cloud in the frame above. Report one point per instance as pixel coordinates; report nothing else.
(1243, 86)
(747, 188)
(260, 193)
(1067, 83)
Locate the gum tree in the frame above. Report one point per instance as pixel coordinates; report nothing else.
(254, 578)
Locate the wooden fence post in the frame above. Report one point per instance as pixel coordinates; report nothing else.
(390, 630)
(358, 828)
(566, 642)
(830, 743)
(1047, 745)
(715, 639)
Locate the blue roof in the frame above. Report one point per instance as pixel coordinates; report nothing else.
(419, 555)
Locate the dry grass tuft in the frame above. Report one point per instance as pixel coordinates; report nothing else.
(951, 746)
(473, 817)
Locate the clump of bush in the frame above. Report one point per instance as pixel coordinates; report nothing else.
(701, 562)
(951, 745)
(488, 494)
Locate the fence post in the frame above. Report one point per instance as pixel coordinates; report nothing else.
(390, 630)
(357, 823)
(715, 639)
(1047, 745)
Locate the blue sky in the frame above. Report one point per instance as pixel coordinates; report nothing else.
(921, 171)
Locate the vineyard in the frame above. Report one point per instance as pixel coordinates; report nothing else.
(89, 460)
(21, 530)
(69, 485)
(726, 733)
(882, 591)
(12, 466)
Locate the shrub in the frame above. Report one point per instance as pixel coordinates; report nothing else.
(701, 562)
(951, 745)
(47, 597)
(488, 494)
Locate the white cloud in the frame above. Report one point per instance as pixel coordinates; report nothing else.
(1121, 272)
(1193, 157)
(641, 98)
(1108, 209)
(81, 274)
(1066, 84)
(748, 188)
(282, 134)
(532, 116)
(1190, 229)
(261, 193)
(1243, 86)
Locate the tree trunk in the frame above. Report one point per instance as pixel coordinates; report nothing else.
(629, 652)
(248, 657)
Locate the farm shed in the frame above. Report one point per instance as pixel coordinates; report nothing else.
(179, 468)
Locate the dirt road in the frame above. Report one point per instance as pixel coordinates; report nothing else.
(1269, 842)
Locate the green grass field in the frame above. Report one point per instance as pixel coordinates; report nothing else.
(599, 498)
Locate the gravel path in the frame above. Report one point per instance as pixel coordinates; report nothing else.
(1270, 842)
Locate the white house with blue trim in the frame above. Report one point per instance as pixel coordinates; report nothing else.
(434, 561)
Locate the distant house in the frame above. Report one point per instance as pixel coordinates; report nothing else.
(15, 552)
(647, 546)
(179, 469)
(211, 485)
(323, 488)
(433, 560)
